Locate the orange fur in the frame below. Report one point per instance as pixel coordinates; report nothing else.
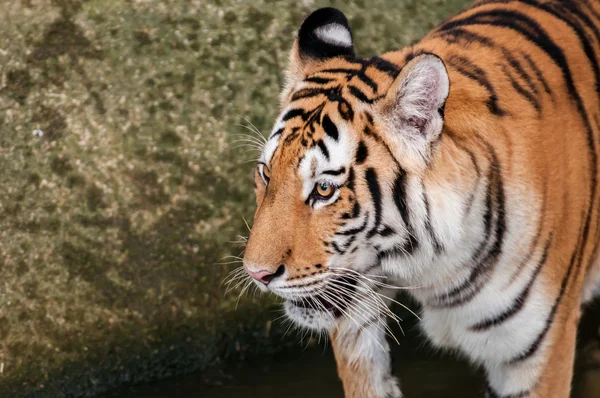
(544, 151)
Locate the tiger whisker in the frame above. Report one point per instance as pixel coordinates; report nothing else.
(235, 283)
(234, 257)
(247, 141)
(233, 273)
(256, 130)
(242, 293)
(334, 302)
(378, 305)
(377, 310)
(229, 262)
(383, 296)
(368, 277)
(377, 297)
(249, 138)
(246, 222)
(253, 129)
(250, 148)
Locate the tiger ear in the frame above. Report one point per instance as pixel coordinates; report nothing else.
(413, 108)
(324, 34)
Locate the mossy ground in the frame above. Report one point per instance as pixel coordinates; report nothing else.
(120, 191)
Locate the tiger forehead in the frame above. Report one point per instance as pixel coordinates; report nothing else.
(334, 92)
(339, 85)
(365, 80)
(308, 127)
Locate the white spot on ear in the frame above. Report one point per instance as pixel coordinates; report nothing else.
(335, 34)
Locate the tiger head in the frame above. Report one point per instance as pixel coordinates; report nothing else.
(351, 134)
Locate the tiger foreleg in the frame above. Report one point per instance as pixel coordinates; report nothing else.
(363, 359)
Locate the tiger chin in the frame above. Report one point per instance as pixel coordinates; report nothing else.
(464, 168)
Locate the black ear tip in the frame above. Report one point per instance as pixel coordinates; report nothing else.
(324, 34)
(324, 16)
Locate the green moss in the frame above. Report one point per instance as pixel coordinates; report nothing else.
(114, 220)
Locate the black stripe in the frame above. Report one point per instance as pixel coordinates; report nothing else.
(345, 110)
(399, 193)
(387, 231)
(483, 266)
(531, 30)
(361, 153)
(337, 248)
(516, 65)
(385, 66)
(454, 35)
(351, 177)
(346, 216)
(340, 70)
(375, 190)
(438, 247)
(323, 149)
(359, 95)
(533, 347)
(538, 73)
(457, 34)
(579, 31)
(330, 128)
(355, 210)
(404, 249)
(294, 113)
(318, 80)
(308, 93)
(519, 301)
(367, 80)
(357, 230)
(337, 172)
(466, 68)
(349, 243)
(276, 133)
(529, 97)
(592, 10)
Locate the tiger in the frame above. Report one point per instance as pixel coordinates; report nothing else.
(463, 169)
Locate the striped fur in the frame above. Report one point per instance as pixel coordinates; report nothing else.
(466, 166)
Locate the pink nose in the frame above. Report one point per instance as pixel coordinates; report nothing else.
(265, 276)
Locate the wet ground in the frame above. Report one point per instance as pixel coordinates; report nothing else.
(311, 373)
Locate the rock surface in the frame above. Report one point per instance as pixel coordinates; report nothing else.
(122, 184)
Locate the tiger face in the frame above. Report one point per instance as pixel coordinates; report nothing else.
(350, 134)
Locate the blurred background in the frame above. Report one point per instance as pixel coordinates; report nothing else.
(123, 191)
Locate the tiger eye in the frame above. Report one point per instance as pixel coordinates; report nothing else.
(325, 190)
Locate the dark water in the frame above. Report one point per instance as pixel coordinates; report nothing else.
(311, 374)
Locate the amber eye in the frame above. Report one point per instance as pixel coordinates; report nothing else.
(324, 190)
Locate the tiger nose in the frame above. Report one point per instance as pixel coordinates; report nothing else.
(265, 276)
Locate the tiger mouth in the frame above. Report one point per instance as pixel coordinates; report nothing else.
(321, 302)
